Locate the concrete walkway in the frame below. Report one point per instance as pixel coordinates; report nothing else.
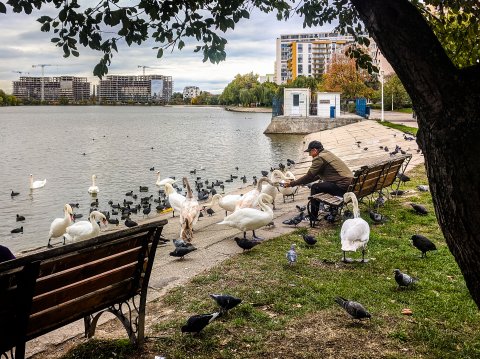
(215, 242)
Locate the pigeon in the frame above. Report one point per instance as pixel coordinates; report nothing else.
(246, 244)
(17, 230)
(20, 218)
(398, 192)
(129, 223)
(403, 178)
(423, 188)
(301, 209)
(197, 322)
(182, 251)
(309, 239)
(355, 309)
(295, 220)
(403, 280)
(225, 301)
(210, 211)
(292, 255)
(379, 202)
(376, 217)
(419, 208)
(181, 243)
(423, 244)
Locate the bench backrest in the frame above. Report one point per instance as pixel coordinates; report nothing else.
(82, 278)
(373, 178)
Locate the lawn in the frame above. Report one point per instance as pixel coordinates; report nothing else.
(289, 311)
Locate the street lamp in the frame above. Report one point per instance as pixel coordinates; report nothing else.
(381, 80)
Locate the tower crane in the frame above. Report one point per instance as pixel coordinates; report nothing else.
(146, 67)
(43, 68)
(21, 72)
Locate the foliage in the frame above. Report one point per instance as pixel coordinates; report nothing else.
(392, 86)
(102, 349)
(245, 90)
(343, 76)
(8, 100)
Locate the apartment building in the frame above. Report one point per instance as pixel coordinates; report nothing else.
(146, 88)
(190, 92)
(54, 88)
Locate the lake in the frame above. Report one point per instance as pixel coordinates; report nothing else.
(120, 144)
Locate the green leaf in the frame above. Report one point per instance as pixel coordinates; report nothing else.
(3, 8)
(159, 53)
(55, 39)
(181, 45)
(75, 53)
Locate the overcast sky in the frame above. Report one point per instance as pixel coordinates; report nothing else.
(250, 47)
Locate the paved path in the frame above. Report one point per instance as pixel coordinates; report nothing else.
(215, 242)
(395, 117)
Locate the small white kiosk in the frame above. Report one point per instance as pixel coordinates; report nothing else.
(296, 101)
(328, 104)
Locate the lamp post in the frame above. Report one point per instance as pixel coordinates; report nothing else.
(381, 80)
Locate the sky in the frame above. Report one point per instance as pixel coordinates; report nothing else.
(250, 48)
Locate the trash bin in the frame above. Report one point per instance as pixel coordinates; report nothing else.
(332, 111)
(367, 112)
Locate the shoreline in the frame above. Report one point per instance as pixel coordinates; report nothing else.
(248, 109)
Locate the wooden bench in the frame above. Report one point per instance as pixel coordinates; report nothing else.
(367, 181)
(44, 291)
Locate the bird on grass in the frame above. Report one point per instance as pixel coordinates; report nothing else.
(398, 192)
(403, 279)
(376, 217)
(355, 309)
(423, 188)
(292, 255)
(309, 239)
(181, 252)
(225, 301)
(418, 208)
(423, 244)
(196, 323)
(403, 177)
(246, 244)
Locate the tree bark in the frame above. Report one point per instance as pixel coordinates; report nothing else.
(447, 101)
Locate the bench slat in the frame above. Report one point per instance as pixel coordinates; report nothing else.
(72, 275)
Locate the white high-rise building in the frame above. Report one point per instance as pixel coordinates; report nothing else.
(190, 92)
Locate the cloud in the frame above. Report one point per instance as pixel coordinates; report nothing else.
(250, 48)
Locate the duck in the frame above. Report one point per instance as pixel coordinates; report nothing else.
(355, 231)
(227, 202)
(86, 229)
(189, 213)
(287, 176)
(250, 199)
(36, 184)
(59, 225)
(174, 198)
(93, 189)
(161, 183)
(250, 219)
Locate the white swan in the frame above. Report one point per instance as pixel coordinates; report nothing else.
(250, 219)
(161, 183)
(189, 213)
(36, 184)
(174, 198)
(59, 225)
(93, 189)
(227, 202)
(355, 232)
(287, 176)
(86, 229)
(250, 199)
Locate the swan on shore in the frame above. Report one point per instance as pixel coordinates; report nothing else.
(161, 183)
(227, 202)
(86, 229)
(59, 225)
(174, 198)
(250, 199)
(36, 184)
(93, 189)
(250, 219)
(287, 176)
(189, 213)
(355, 231)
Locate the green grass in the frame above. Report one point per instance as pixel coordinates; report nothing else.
(289, 312)
(399, 127)
(405, 110)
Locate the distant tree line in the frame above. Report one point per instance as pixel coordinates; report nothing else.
(8, 100)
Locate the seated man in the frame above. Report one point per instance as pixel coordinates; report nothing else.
(5, 254)
(334, 174)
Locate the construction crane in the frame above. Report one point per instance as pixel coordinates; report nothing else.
(43, 68)
(21, 72)
(146, 67)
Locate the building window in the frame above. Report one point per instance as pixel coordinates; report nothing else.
(300, 68)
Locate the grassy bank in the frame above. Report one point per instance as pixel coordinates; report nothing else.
(289, 312)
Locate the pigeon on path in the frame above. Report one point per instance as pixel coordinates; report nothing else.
(246, 244)
(355, 309)
(182, 251)
(403, 279)
(225, 301)
(197, 322)
(423, 244)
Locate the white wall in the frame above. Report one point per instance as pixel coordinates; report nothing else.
(325, 100)
(304, 102)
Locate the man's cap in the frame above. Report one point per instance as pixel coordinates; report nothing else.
(314, 144)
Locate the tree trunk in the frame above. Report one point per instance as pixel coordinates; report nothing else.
(447, 102)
